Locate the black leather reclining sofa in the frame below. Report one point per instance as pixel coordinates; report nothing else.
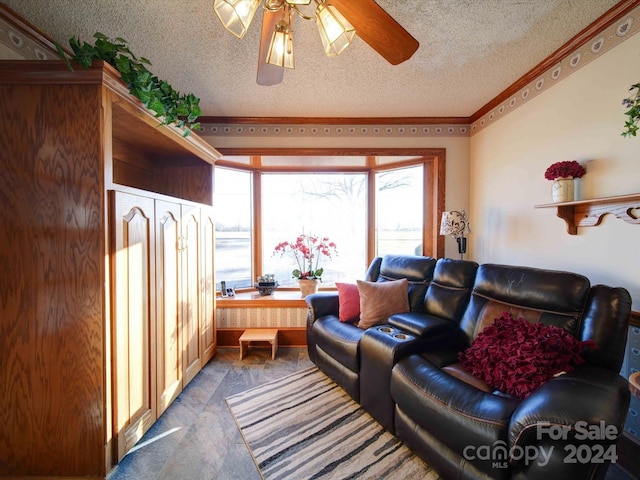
(406, 372)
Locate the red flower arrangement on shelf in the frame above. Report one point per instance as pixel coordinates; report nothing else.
(307, 251)
(566, 169)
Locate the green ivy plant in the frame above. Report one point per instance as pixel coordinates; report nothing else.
(633, 104)
(155, 94)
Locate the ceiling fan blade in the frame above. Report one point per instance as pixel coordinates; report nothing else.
(268, 74)
(378, 29)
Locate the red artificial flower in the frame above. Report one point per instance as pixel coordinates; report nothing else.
(565, 169)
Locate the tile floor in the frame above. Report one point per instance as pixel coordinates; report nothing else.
(197, 439)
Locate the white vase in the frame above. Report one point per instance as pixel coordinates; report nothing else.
(308, 286)
(562, 190)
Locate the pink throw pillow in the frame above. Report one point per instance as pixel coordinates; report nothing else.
(349, 299)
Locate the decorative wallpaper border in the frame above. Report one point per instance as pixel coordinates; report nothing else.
(290, 130)
(589, 51)
(23, 42)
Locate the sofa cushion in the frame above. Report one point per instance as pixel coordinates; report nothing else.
(349, 300)
(458, 414)
(552, 297)
(516, 356)
(380, 300)
(461, 373)
(417, 270)
(449, 291)
(340, 340)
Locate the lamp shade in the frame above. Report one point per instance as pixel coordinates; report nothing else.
(236, 15)
(280, 51)
(335, 31)
(454, 223)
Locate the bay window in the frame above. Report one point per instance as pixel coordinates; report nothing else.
(367, 205)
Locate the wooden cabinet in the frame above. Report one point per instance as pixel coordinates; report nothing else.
(168, 303)
(106, 297)
(164, 329)
(208, 336)
(134, 320)
(190, 246)
(185, 292)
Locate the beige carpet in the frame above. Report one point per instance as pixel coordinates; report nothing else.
(304, 426)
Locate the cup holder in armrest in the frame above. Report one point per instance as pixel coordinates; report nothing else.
(386, 329)
(395, 333)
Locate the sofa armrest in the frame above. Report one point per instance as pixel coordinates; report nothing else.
(421, 324)
(572, 402)
(589, 394)
(321, 305)
(569, 426)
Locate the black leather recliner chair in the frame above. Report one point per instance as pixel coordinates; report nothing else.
(334, 346)
(464, 431)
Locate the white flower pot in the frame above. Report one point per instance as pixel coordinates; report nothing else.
(562, 190)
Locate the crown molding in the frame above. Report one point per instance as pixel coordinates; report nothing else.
(335, 120)
(614, 14)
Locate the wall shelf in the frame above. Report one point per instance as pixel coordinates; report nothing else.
(589, 213)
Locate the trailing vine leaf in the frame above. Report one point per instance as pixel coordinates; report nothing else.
(633, 104)
(157, 95)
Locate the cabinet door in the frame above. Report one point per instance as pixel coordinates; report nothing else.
(168, 308)
(207, 288)
(132, 258)
(190, 300)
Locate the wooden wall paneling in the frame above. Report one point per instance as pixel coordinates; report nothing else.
(168, 308)
(131, 168)
(107, 171)
(184, 177)
(51, 252)
(133, 254)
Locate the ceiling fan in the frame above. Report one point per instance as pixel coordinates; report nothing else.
(337, 20)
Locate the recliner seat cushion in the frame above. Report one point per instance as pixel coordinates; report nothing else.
(340, 340)
(451, 410)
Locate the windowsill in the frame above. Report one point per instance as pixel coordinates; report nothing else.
(252, 299)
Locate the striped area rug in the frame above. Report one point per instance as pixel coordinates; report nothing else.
(304, 426)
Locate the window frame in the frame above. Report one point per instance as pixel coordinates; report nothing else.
(434, 180)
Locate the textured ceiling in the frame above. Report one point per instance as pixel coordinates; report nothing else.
(470, 51)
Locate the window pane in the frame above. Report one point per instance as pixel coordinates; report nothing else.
(233, 227)
(326, 205)
(399, 211)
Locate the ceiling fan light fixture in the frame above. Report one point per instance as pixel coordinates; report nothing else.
(236, 15)
(280, 51)
(335, 31)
